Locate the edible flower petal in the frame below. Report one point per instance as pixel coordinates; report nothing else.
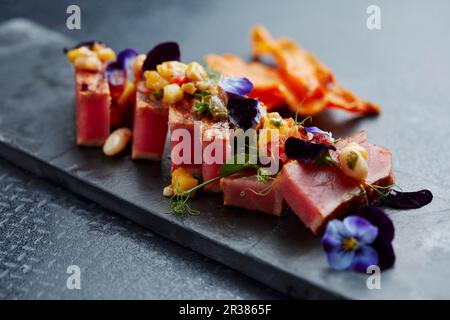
(235, 85)
(300, 149)
(378, 218)
(361, 229)
(407, 200)
(364, 257)
(317, 130)
(125, 57)
(166, 51)
(115, 73)
(243, 112)
(383, 242)
(347, 244)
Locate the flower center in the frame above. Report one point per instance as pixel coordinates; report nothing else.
(350, 244)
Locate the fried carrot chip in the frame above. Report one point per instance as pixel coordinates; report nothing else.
(300, 80)
(267, 84)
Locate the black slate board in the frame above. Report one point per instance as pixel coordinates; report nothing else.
(37, 133)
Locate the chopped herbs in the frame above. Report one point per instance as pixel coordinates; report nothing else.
(352, 159)
(276, 122)
(325, 159)
(202, 108)
(201, 94)
(157, 95)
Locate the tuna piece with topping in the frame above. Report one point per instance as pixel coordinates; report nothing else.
(317, 194)
(150, 127)
(92, 108)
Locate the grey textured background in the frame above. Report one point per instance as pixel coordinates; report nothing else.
(404, 67)
(44, 229)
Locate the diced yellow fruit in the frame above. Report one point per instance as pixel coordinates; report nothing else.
(203, 85)
(137, 66)
(189, 88)
(73, 54)
(106, 54)
(88, 63)
(127, 94)
(274, 121)
(76, 53)
(182, 181)
(195, 72)
(172, 93)
(169, 69)
(154, 81)
(97, 47)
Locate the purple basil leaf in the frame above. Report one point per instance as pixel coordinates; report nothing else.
(235, 85)
(243, 112)
(379, 219)
(386, 255)
(166, 51)
(408, 200)
(386, 232)
(299, 149)
(115, 73)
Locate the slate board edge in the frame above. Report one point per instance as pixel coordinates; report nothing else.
(247, 264)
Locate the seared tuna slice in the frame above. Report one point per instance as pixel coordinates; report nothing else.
(92, 108)
(244, 191)
(150, 127)
(215, 137)
(317, 194)
(185, 154)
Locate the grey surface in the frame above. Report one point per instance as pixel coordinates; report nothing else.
(403, 67)
(45, 229)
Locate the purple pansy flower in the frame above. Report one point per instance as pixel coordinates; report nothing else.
(119, 70)
(235, 85)
(318, 131)
(360, 241)
(347, 244)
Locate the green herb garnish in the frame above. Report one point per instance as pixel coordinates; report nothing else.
(157, 95)
(352, 159)
(213, 75)
(201, 94)
(202, 108)
(276, 122)
(325, 159)
(179, 202)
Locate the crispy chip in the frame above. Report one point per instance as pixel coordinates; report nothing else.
(300, 80)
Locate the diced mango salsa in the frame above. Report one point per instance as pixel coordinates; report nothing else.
(195, 72)
(182, 181)
(170, 69)
(172, 93)
(154, 81)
